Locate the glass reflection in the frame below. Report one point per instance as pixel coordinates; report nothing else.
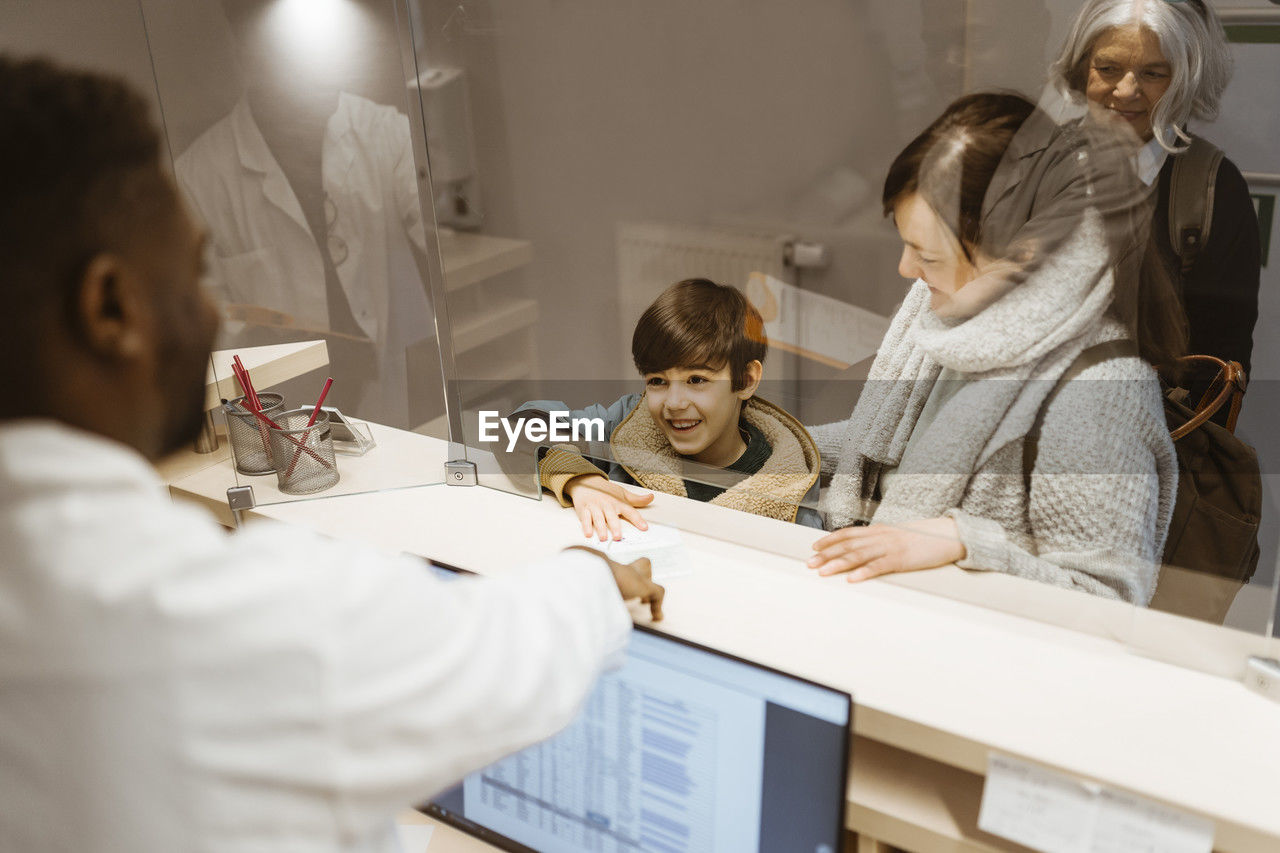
(309, 189)
(620, 149)
(637, 149)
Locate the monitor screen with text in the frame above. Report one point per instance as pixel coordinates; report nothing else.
(680, 750)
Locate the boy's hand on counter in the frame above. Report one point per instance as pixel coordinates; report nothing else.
(881, 549)
(634, 580)
(602, 506)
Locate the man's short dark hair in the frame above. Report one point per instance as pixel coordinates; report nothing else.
(79, 175)
(698, 323)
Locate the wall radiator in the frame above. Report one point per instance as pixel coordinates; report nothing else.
(765, 266)
(652, 256)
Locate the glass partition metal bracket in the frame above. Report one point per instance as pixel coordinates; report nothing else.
(240, 499)
(1262, 675)
(460, 472)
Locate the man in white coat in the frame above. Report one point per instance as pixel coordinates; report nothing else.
(165, 686)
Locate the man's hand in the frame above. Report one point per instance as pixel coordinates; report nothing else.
(601, 506)
(881, 549)
(634, 580)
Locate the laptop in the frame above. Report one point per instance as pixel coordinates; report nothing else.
(683, 749)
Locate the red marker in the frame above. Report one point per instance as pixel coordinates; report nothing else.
(315, 413)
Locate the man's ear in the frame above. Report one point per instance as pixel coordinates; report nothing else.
(755, 370)
(109, 309)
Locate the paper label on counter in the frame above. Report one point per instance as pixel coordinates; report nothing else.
(1130, 824)
(662, 545)
(1058, 813)
(1036, 807)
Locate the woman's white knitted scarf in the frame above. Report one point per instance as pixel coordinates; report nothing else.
(1018, 346)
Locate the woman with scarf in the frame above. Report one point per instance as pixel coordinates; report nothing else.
(1012, 420)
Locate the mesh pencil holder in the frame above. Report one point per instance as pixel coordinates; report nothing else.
(303, 455)
(250, 444)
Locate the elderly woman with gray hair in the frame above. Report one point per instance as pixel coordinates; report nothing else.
(1156, 65)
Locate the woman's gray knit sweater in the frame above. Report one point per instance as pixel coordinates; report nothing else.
(1102, 488)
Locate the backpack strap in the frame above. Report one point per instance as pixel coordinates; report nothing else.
(1088, 357)
(1191, 188)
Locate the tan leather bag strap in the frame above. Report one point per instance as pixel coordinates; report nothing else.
(1228, 386)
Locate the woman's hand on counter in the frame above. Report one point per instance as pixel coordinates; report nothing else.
(880, 549)
(602, 506)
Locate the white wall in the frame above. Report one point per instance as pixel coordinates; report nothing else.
(105, 35)
(588, 114)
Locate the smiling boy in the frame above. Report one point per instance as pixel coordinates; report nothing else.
(698, 430)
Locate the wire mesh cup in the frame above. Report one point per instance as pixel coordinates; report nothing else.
(303, 455)
(250, 444)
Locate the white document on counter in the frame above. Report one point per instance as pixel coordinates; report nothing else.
(414, 837)
(663, 545)
(1037, 808)
(1127, 823)
(1058, 813)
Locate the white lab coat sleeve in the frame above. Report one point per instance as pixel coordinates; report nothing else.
(435, 680)
(366, 682)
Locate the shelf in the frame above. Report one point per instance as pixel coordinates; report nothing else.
(915, 803)
(501, 319)
(400, 460)
(268, 366)
(472, 258)
(508, 370)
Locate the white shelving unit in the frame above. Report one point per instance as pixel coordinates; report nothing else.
(472, 258)
(493, 321)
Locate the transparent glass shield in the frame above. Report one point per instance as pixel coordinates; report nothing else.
(485, 303)
(577, 173)
(1080, 541)
(1246, 131)
(585, 161)
(291, 127)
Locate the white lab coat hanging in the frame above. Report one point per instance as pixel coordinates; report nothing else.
(266, 256)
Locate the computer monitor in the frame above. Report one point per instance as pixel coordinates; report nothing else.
(681, 750)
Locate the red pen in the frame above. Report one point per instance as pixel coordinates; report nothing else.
(251, 402)
(246, 384)
(324, 392)
(315, 413)
(299, 446)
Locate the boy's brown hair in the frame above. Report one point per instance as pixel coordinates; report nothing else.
(698, 323)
